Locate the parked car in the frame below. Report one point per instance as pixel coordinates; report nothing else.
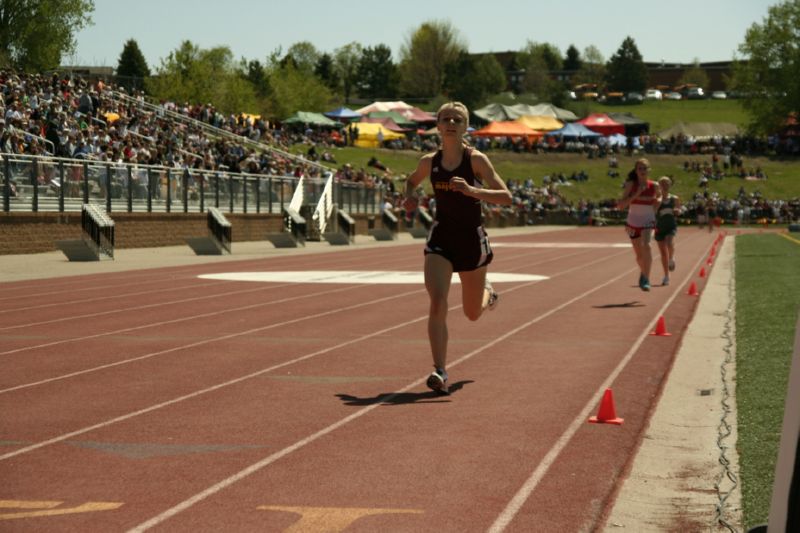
(653, 94)
(634, 98)
(719, 95)
(695, 93)
(673, 95)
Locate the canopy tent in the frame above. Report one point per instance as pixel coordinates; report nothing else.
(416, 114)
(700, 130)
(383, 106)
(387, 122)
(342, 113)
(312, 119)
(540, 122)
(573, 130)
(506, 129)
(549, 110)
(602, 124)
(368, 134)
(500, 112)
(399, 119)
(633, 126)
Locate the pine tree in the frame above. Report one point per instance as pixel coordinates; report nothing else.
(626, 70)
(132, 67)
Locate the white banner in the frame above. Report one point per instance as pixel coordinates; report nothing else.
(299, 195)
(325, 205)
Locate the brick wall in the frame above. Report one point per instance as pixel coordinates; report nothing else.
(27, 233)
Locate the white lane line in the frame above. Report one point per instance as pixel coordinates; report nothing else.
(215, 339)
(524, 492)
(255, 467)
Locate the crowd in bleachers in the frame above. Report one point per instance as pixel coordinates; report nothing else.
(69, 117)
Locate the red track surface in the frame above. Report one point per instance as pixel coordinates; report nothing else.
(155, 399)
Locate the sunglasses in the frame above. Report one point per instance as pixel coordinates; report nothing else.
(454, 120)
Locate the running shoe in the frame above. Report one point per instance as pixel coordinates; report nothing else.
(437, 381)
(665, 281)
(671, 265)
(641, 279)
(644, 283)
(493, 296)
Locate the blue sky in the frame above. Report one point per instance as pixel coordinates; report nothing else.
(675, 31)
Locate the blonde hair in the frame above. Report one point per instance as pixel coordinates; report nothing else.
(458, 107)
(665, 179)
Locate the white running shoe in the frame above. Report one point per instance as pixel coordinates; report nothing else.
(665, 281)
(437, 381)
(493, 296)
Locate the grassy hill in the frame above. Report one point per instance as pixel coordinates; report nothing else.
(783, 175)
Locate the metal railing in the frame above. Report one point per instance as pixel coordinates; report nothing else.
(36, 183)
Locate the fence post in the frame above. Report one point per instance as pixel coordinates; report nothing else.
(85, 167)
(149, 191)
(230, 192)
(108, 188)
(35, 185)
(130, 189)
(169, 191)
(202, 192)
(216, 190)
(61, 193)
(6, 184)
(185, 189)
(244, 194)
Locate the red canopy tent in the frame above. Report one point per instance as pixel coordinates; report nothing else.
(507, 129)
(602, 124)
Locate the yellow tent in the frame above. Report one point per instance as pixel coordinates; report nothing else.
(368, 134)
(540, 122)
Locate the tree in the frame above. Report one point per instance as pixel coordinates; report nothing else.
(593, 69)
(325, 71)
(626, 71)
(573, 60)
(295, 90)
(191, 74)
(769, 72)
(36, 34)
(424, 56)
(132, 67)
(471, 78)
(256, 74)
(345, 62)
(538, 60)
(377, 76)
(694, 76)
(303, 56)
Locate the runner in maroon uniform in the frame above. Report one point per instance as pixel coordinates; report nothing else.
(461, 178)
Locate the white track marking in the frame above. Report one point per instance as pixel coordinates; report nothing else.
(255, 467)
(366, 277)
(524, 492)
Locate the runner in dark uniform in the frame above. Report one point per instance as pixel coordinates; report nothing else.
(667, 226)
(461, 177)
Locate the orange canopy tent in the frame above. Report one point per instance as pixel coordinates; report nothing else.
(506, 129)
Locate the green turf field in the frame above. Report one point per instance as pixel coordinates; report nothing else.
(767, 305)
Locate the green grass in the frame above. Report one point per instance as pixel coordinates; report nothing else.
(767, 296)
(783, 182)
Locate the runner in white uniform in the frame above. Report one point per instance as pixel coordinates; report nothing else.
(641, 196)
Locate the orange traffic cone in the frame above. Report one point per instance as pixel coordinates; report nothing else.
(661, 328)
(710, 260)
(692, 289)
(702, 272)
(607, 413)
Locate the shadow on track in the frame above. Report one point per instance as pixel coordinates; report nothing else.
(403, 398)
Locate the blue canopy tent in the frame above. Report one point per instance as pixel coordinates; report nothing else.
(573, 130)
(343, 114)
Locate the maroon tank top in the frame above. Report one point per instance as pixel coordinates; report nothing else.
(453, 207)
